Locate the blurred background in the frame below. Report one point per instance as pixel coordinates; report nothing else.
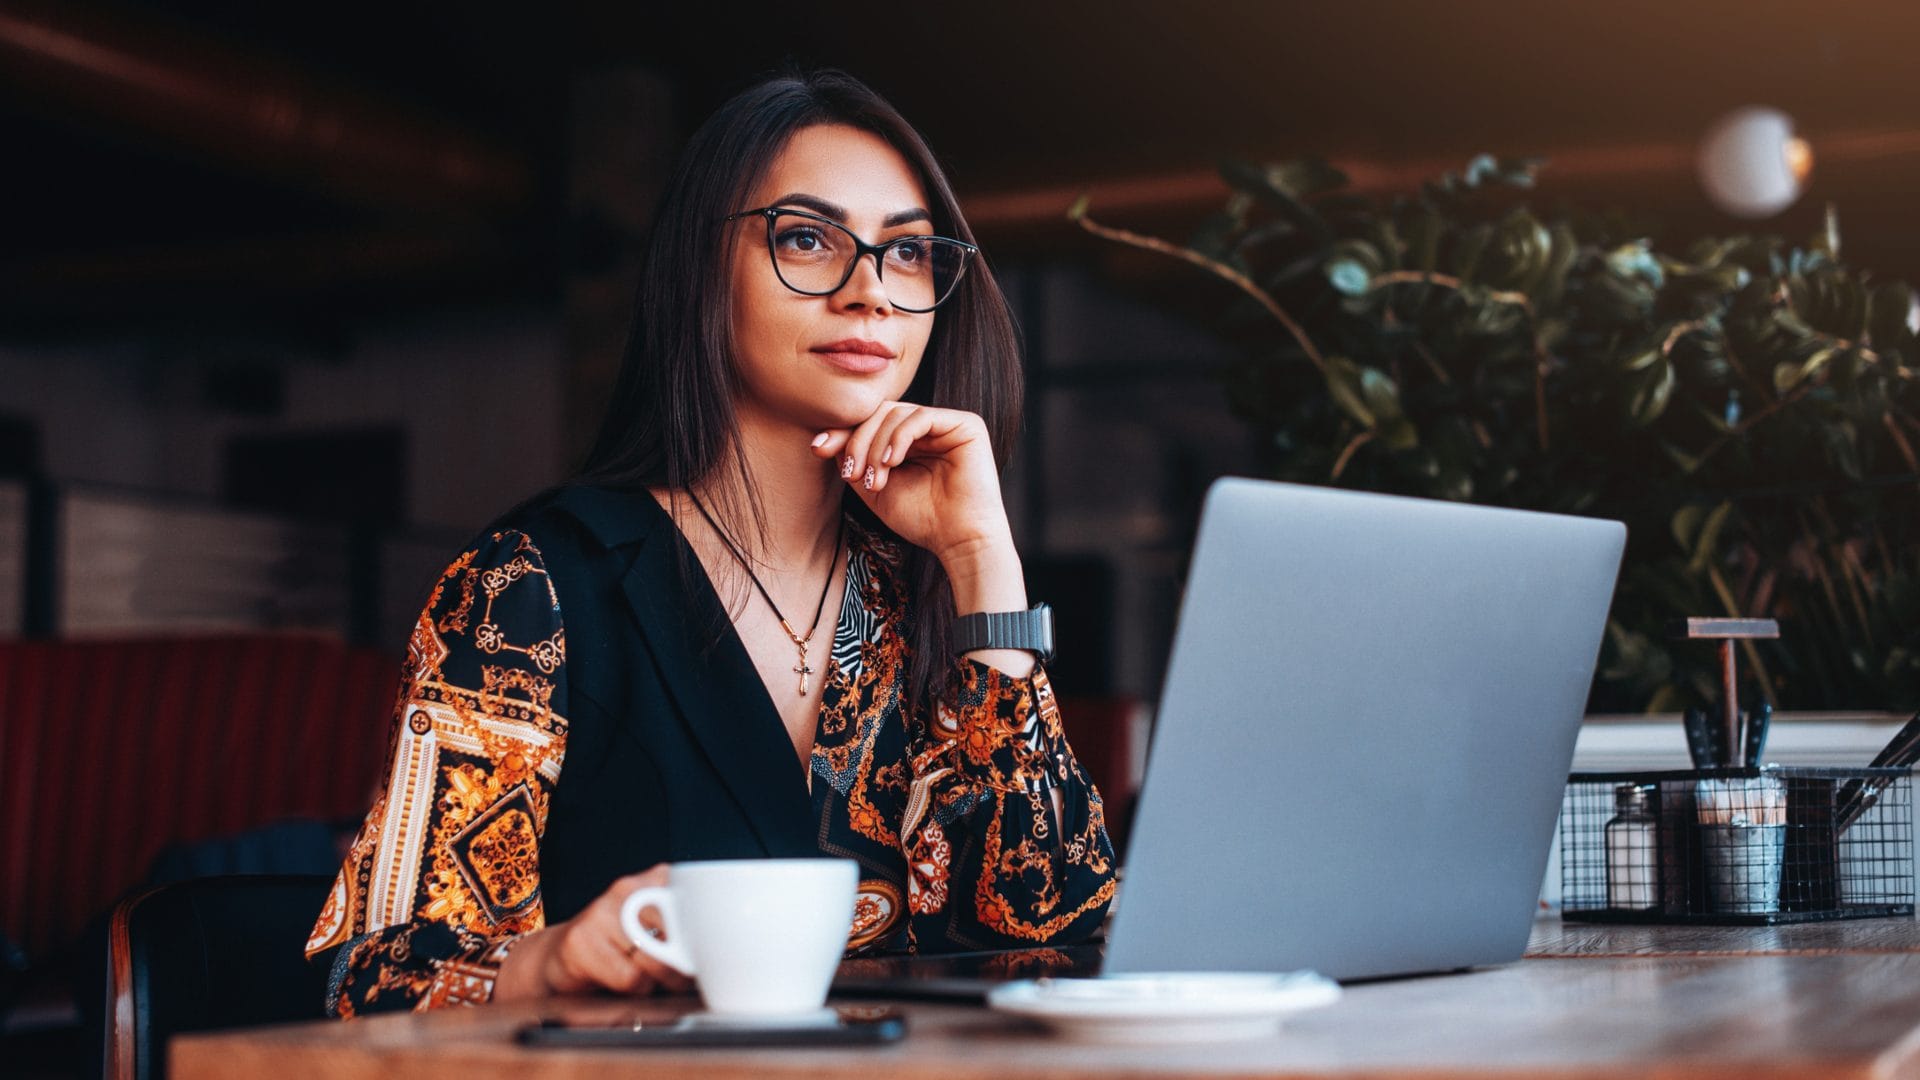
(295, 297)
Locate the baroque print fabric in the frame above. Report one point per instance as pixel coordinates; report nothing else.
(948, 806)
(445, 873)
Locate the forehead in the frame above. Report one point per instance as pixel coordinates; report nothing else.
(852, 168)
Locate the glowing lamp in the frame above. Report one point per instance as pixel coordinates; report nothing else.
(1752, 165)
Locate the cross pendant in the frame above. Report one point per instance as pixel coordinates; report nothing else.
(803, 669)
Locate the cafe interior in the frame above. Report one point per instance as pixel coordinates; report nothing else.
(297, 298)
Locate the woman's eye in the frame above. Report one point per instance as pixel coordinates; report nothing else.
(801, 240)
(909, 252)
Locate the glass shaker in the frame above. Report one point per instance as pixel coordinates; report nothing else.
(1633, 856)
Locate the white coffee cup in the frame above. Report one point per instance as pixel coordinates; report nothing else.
(759, 936)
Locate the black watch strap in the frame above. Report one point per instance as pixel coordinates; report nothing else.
(1031, 630)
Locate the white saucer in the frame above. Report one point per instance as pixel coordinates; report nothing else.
(1170, 1007)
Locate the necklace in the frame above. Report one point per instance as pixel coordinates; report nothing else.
(802, 668)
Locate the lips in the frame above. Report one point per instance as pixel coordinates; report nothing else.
(856, 355)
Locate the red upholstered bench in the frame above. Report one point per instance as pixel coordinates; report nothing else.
(112, 749)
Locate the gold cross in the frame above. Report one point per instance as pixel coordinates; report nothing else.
(803, 669)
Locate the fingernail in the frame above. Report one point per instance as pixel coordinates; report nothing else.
(846, 467)
(820, 440)
(869, 478)
(886, 456)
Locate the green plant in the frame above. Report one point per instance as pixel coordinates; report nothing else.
(1746, 406)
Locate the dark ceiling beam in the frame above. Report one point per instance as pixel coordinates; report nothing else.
(229, 274)
(253, 112)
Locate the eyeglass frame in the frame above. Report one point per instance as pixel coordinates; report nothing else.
(861, 249)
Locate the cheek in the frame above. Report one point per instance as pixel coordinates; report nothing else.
(764, 324)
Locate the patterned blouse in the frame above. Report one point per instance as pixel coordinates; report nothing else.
(948, 808)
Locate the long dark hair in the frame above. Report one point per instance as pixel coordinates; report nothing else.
(670, 421)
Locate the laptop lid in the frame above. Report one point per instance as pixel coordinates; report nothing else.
(1366, 727)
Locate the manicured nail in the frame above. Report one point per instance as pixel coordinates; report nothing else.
(869, 478)
(846, 467)
(820, 440)
(886, 456)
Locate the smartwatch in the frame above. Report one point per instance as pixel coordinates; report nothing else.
(1031, 630)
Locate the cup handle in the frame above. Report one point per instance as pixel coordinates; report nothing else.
(669, 952)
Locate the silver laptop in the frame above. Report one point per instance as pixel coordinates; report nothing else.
(1364, 735)
(1361, 745)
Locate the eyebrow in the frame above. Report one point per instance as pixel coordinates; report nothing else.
(838, 213)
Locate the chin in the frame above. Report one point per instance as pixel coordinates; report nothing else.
(853, 405)
(849, 416)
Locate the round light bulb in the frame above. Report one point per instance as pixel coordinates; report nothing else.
(1751, 163)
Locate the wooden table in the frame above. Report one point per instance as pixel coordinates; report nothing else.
(1829, 1000)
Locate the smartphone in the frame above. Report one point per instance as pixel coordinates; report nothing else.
(641, 1027)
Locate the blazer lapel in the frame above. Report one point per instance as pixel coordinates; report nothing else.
(718, 690)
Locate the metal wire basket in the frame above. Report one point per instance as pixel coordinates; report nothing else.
(1741, 846)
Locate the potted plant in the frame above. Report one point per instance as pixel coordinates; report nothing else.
(1748, 407)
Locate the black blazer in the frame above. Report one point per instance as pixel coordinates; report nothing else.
(643, 658)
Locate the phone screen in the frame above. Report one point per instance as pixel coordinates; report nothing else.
(630, 1025)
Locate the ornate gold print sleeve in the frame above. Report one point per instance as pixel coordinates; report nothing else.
(989, 864)
(445, 873)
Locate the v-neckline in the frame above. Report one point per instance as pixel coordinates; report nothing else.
(830, 688)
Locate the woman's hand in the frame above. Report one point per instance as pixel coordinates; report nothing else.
(929, 474)
(589, 952)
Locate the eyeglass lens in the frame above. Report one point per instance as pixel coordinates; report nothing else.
(816, 257)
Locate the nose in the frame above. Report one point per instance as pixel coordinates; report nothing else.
(864, 290)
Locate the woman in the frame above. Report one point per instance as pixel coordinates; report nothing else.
(795, 431)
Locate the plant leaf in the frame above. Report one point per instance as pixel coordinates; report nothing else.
(1708, 538)
(1521, 247)
(1686, 524)
(1400, 434)
(1642, 360)
(1467, 251)
(1687, 462)
(1348, 277)
(1650, 398)
(1305, 177)
(1351, 266)
(1482, 168)
(1260, 183)
(1788, 375)
(1381, 394)
(1635, 261)
(1343, 384)
(1562, 248)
